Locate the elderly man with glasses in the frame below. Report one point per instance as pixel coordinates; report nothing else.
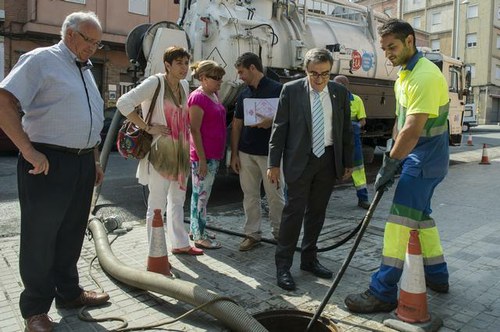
(58, 164)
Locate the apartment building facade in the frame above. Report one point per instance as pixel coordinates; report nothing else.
(466, 29)
(393, 9)
(30, 24)
(480, 44)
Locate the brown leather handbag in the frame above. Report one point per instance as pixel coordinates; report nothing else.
(133, 142)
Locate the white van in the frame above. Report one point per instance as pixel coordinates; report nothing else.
(470, 117)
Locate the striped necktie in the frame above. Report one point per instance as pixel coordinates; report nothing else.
(318, 127)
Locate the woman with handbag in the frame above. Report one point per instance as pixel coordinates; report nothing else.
(166, 168)
(208, 139)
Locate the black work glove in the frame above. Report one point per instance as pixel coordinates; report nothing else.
(386, 173)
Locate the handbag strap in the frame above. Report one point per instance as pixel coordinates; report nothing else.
(153, 102)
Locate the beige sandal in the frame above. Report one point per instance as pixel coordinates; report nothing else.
(207, 244)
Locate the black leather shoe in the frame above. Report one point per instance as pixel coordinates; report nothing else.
(317, 269)
(285, 280)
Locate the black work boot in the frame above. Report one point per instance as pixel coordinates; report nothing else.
(439, 288)
(367, 303)
(364, 204)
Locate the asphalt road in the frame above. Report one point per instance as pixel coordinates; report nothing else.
(123, 197)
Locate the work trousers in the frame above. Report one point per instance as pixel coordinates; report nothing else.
(253, 169)
(358, 174)
(308, 198)
(54, 215)
(411, 209)
(167, 195)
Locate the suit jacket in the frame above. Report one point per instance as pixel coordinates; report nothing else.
(291, 137)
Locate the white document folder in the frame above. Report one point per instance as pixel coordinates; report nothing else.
(256, 109)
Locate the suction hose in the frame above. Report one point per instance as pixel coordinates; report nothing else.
(230, 314)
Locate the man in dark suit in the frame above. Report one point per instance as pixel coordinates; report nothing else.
(312, 133)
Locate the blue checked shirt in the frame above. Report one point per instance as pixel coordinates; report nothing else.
(49, 86)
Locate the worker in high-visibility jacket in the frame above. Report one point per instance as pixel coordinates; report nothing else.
(421, 153)
(358, 119)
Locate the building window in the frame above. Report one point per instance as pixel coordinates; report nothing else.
(498, 42)
(471, 40)
(76, 1)
(138, 7)
(417, 22)
(436, 18)
(497, 72)
(472, 11)
(417, 2)
(435, 45)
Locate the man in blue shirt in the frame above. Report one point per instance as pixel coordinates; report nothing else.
(58, 164)
(249, 150)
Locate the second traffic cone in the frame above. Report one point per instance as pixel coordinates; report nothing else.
(412, 303)
(469, 140)
(485, 160)
(158, 257)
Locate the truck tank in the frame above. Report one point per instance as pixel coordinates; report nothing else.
(281, 32)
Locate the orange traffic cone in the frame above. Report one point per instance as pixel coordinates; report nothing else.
(412, 304)
(158, 258)
(485, 160)
(469, 140)
(411, 313)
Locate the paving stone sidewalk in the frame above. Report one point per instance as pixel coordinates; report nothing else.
(467, 215)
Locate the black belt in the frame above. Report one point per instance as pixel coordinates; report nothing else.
(76, 151)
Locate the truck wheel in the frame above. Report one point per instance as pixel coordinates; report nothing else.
(465, 128)
(455, 140)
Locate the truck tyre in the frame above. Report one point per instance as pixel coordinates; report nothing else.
(465, 128)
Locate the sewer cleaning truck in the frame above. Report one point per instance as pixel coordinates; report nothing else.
(281, 32)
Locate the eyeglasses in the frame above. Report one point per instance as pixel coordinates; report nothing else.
(88, 40)
(215, 78)
(325, 74)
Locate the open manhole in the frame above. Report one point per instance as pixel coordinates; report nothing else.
(293, 321)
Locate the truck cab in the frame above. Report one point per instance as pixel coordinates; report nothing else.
(454, 72)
